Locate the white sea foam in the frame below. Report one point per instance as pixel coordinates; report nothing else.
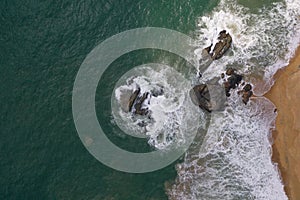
(173, 116)
(234, 159)
(263, 42)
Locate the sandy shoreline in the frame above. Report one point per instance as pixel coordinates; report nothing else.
(285, 94)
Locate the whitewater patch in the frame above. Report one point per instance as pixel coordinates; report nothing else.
(234, 159)
(263, 42)
(173, 116)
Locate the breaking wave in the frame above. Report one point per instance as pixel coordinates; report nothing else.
(171, 117)
(233, 161)
(263, 41)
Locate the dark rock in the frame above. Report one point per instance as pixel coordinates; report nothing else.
(232, 82)
(136, 101)
(222, 35)
(229, 71)
(208, 49)
(202, 97)
(222, 75)
(199, 75)
(246, 93)
(210, 96)
(221, 46)
(217, 50)
(246, 96)
(227, 88)
(239, 78)
(132, 98)
(157, 92)
(139, 103)
(247, 87)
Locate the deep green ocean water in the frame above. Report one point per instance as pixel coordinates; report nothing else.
(42, 45)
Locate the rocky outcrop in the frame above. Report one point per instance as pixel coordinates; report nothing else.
(137, 103)
(232, 82)
(201, 97)
(209, 97)
(221, 47)
(139, 110)
(212, 97)
(246, 93)
(132, 98)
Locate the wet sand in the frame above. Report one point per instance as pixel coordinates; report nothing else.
(285, 94)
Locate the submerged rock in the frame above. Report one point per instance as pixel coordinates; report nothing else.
(221, 47)
(209, 97)
(200, 95)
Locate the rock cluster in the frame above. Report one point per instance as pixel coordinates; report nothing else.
(246, 93)
(232, 82)
(136, 102)
(202, 97)
(209, 96)
(221, 47)
(132, 99)
(200, 94)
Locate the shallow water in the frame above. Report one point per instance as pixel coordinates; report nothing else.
(234, 160)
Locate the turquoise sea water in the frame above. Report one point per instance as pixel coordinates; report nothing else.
(42, 45)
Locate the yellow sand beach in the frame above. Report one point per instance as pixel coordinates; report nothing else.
(285, 94)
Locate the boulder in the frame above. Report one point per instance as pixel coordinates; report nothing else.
(136, 101)
(221, 47)
(232, 82)
(229, 71)
(246, 96)
(139, 110)
(201, 97)
(222, 75)
(227, 88)
(132, 99)
(209, 97)
(246, 93)
(247, 87)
